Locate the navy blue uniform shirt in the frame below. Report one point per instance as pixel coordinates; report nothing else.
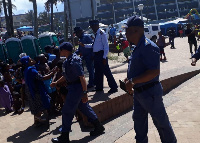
(72, 68)
(85, 39)
(197, 54)
(146, 56)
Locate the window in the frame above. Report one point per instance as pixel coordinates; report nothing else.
(98, 3)
(146, 29)
(155, 28)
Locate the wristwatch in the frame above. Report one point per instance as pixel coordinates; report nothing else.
(85, 92)
(131, 81)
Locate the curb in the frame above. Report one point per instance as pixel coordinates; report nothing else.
(122, 103)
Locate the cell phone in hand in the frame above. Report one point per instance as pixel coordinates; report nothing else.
(122, 85)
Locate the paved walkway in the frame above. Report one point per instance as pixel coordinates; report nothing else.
(184, 115)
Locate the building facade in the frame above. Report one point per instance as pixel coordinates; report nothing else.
(18, 21)
(110, 13)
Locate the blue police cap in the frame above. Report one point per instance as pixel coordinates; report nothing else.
(77, 29)
(25, 60)
(94, 22)
(66, 46)
(135, 21)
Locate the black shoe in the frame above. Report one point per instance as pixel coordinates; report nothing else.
(63, 138)
(98, 128)
(97, 90)
(112, 91)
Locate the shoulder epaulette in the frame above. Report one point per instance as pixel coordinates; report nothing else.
(147, 42)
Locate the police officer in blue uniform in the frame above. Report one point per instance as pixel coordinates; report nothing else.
(77, 94)
(101, 49)
(86, 53)
(196, 57)
(143, 80)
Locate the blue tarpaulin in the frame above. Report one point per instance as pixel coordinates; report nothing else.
(25, 28)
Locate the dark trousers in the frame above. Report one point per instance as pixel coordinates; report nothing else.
(90, 67)
(72, 102)
(150, 101)
(101, 70)
(195, 46)
(171, 41)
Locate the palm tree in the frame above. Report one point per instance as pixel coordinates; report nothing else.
(10, 17)
(49, 5)
(66, 23)
(6, 16)
(35, 18)
(7, 8)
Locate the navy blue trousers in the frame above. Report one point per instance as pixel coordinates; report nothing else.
(150, 101)
(90, 67)
(101, 70)
(171, 41)
(72, 102)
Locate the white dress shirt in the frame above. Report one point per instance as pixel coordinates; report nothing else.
(100, 43)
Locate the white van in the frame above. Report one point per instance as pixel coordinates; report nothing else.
(151, 31)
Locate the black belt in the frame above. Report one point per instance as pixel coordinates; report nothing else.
(99, 52)
(146, 86)
(74, 82)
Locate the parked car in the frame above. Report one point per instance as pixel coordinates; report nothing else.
(151, 31)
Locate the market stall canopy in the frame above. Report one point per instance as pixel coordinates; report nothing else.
(178, 20)
(25, 28)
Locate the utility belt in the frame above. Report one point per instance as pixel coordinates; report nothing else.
(146, 86)
(74, 82)
(99, 52)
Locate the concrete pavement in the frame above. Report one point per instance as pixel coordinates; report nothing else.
(184, 114)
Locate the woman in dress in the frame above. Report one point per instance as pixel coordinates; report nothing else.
(5, 95)
(39, 100)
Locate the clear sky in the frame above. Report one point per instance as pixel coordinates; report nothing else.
(24, 5)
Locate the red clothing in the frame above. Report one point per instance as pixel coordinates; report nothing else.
(125, 44)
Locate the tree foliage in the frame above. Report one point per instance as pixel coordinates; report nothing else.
(49, 6)
(28, 17)
(43, 18)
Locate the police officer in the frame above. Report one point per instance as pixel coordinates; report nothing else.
(191, 38)
(101, 49)
(86, 53)
(112, 33)
(196, 57)
(143, 76)
(171, 33)
(77, 94)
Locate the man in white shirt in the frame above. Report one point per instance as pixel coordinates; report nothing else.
(101, 49)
